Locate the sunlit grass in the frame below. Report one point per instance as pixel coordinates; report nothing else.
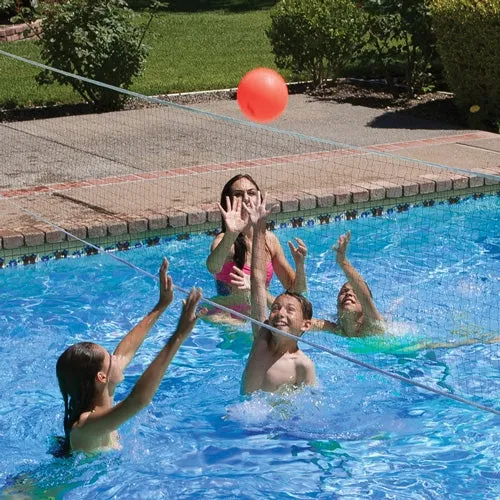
(188, 51)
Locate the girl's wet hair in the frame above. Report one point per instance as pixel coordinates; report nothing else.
(76, 371)
(240, 248)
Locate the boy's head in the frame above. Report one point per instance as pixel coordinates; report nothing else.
(291, 312)
(347, 300)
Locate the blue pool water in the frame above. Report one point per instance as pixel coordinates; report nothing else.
(435, 275)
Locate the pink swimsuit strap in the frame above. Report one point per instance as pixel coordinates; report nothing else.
(227, 269)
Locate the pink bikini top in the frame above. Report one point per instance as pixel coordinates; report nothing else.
(227, 269)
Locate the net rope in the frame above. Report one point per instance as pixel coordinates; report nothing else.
(164, 102)
(272, 148)
(276, 330)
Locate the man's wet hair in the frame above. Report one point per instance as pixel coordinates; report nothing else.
(305, 304)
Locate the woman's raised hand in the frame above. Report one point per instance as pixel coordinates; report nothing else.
(257, 210)
(234, 217)
(299, 252)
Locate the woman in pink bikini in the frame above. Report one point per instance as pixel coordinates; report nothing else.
(231, 252)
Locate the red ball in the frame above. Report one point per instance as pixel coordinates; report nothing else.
(262, 95)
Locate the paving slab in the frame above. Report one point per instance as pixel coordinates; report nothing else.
(128, 172)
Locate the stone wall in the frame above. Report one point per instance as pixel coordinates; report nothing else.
(14, 32)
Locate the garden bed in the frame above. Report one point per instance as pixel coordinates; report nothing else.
(15, 32)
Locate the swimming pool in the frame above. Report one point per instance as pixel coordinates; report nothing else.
(434, 273)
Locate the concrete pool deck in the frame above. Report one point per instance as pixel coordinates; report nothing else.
(122, 203)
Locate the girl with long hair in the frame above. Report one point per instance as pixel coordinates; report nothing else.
(231, 251)
(88, 375)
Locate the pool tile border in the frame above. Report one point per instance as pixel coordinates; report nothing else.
(30, 240)
(147, 237)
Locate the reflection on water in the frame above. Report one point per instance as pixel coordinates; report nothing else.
(355, 434)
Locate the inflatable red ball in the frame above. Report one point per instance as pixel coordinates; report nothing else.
(262, 95)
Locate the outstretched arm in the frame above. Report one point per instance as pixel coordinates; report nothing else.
(235, 221)
(253, 375)
(358, 284)
(299, 253)
(291, 280)
(127, 348)
(324, 325)
(258, 216)
(98, 424)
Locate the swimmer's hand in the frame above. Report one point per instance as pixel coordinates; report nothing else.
(166, 286)
(299, 252)
(235, 218)
(257, 210)
(239, 279)
(189, 317)
(341, 248)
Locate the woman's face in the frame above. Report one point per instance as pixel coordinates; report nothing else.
(244, 189)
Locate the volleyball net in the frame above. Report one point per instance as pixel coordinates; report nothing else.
(424, 235)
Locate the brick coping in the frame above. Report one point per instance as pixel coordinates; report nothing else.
(375, 192)
(70, 247)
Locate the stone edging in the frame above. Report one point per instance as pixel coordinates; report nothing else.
(444, 184)
(346, 198)
(75, 249)
(14, 32)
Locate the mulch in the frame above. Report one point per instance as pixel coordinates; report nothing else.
(435, 106)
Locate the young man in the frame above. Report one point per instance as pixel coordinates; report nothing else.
(357, 314)
(275, 361)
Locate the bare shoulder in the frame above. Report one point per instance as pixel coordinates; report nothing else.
(305, 369)
(217, 240)
(272, 241)
(79, 432)
(374, 327)
(304, 360)
(80, 423)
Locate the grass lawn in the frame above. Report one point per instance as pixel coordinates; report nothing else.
(188, 51)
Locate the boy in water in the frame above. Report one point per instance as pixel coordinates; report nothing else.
(275, 360)
(357, 314)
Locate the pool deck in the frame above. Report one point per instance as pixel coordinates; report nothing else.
(76, 205)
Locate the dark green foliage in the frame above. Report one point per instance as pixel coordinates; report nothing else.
(208, 5)
(7, 9)
(468, 40)
(95, 39)
(315, 38)
(400, 33)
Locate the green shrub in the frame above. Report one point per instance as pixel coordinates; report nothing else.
(315, 38)
(7, 9)
(95, 39)
(400, 34)
(468, 40)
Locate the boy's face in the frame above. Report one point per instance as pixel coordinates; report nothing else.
(347, 300)
(286, 314)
